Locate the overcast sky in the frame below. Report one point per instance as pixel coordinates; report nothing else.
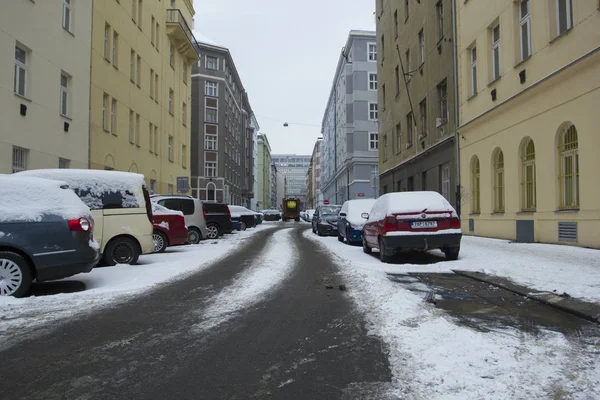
(286, 54)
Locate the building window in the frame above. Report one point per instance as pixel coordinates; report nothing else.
(408, 63)
(211, 89)
(20, 81)
(424, 180)
(19, 159)
(133, 9)
(184, 114)
(115, 48)
(170, 148)
(446, 182)
(373, 112)
(184, 71)
(170, 188)
(396, 24)
(63, 163)
(152, 186)
(496, 52)
(156, 88)
(139, 71)
(475, 186)
(525, 29)
(473, 71)
(564, 16)
(171, 104)
(137, 129)
(440, 18)
(382, 48)
(421, 47)
(132, 66)
(398, 137)
(105, 101)
(131, 127)
(210, 142)
(212, 63)
(152, 29)
(569, 169)
(172, 55)
(157, 35)
(372, 81)
(528, 176)
(66, 15)
(499, 181)
(383, 95)
(64, 94)
(405, 10)
(423, 113)
(397, 73)
(151, 83)
(113, 116)
(156, 141)
(150, 139)
(140, 21)
(373, 141)
(443, 100)
(372, 51)
(210, 169)
(184, 156)
(409, 130)
(107, 42)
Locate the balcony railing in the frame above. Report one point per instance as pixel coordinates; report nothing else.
(175, 17)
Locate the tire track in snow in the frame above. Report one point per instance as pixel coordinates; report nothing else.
(267, 271)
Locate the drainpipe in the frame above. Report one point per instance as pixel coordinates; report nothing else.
(456, 114)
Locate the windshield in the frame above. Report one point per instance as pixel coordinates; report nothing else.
(330, 210)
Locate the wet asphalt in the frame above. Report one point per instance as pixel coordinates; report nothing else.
(302, 341)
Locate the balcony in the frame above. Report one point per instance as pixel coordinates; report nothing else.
(181, 35)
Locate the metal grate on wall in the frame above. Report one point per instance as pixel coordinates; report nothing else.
(471, 225)
(567, 232)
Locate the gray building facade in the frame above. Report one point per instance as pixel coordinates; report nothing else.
(294, 168)
(349, 158)
(222, 132)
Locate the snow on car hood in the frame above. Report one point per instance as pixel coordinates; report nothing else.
(355, 208)
(409, 202)
(238, 211)
(157, 209)
(29, 199)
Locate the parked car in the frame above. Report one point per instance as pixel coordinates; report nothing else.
(271, 215)
(325, 220)
(245, 216)
(309, 215)
(218, 219)
(46, 233)
(169, 228)
(351, 223)
(120, 205)
(258, 217)
(418, 221)
(193, 213)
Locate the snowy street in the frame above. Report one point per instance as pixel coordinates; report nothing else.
(278, 312)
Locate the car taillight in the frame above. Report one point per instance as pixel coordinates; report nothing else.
(455, 223)
(204, 212)
(390, 224)
(81, 224)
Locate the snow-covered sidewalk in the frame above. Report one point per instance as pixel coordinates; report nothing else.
(432, 357)
(107, 286)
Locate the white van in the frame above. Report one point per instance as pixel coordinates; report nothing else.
(120, 206)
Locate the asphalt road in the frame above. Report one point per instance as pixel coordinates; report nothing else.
(302, 341)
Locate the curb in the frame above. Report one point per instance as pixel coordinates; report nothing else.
(591, 312)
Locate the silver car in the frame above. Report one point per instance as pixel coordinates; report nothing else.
(192, 210)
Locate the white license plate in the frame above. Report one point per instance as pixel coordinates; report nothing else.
(423, 224)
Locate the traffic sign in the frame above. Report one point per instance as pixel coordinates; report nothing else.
(360, 194)
(325, 202)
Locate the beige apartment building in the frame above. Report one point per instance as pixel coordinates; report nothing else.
(44, 84)
(415, 71)
(142, 52)
(529, 74)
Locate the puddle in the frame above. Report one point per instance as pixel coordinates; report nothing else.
(486, 307)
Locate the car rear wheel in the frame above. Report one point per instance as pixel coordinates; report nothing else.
(452, 253)
(243, 226)
(15, 275)
(383, 252)
(212, 231)
(319, 232)
(121, 251)
(366, 247)
(161, 242)
(194, 236)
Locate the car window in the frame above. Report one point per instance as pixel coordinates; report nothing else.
(187, 206)
(172, 204)
(330, 210)
(107, 200)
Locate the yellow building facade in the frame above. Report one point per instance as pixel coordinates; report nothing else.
(529, 127)
(140, 95)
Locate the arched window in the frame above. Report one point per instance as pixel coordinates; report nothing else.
(475, 186)
(498, 162)
(528, 176)
(568, 150)
(211, 191)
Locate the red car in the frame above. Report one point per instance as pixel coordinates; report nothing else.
(412, 221)
(169, 228)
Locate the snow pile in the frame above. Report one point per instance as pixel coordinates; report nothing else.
(29, 199)
(94, 185)
(354, 209)
(274, 265)
(410, 202)
(157, 209)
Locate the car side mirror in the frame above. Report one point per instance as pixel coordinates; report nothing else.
(364, 215)
(343, 214)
